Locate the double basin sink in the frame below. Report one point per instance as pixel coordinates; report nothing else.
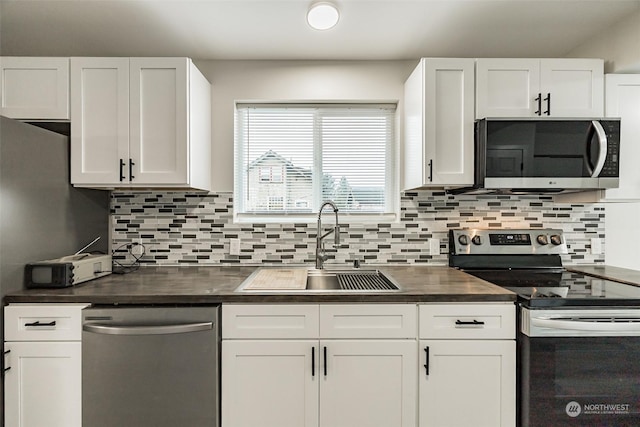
(303, 279)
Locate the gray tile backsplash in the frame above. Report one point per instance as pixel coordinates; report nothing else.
(191, 228)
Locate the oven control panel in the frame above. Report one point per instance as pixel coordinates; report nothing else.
(509, 239)
(506, 241)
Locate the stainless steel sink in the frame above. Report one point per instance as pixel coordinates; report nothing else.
(330, 280)
(349, 280)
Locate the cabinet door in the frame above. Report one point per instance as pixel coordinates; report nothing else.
(438, 123)
(43, 384)
(576, 87)
(100, 125)
(368, 383)
(623, 100)
(507, 87)
(34, 88)
(159, 115)
(467, 383)
(270, 383)
(448, 133)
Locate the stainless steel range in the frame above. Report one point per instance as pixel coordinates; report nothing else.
(579, 336)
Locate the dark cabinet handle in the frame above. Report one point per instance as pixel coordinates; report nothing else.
(37, 323)
(426, 362)
(8, 367)
(131, 164)
(472, 323)
(539, 101)
(431, 170)
(121, 170)
(548, 99)
(313, 361)
(325, 360)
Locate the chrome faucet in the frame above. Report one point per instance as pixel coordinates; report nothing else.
(321, 256)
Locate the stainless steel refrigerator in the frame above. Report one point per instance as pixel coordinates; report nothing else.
(41, 215)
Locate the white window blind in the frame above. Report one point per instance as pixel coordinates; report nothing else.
(303, 154)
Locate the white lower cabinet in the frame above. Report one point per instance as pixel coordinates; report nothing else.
(43, 384)
(467, 383)
(269, 383)
(43, 365)
(312, 378)
(368, 383)
(467, 365)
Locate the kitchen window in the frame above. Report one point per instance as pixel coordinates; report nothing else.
(302, 154)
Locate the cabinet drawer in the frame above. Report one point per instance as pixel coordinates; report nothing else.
(368, 321)
(468, 321)
(267, 321)
(43, 322)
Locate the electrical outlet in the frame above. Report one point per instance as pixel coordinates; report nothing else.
(596, 246)
(234, 246)
(434, 246)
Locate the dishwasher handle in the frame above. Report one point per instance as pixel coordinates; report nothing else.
(147, 329)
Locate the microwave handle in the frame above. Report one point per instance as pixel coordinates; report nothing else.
(602, 141)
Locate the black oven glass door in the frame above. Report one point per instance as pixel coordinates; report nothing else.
(561, 149)
(586, 381)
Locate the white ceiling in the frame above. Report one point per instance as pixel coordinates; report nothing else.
(276, 29)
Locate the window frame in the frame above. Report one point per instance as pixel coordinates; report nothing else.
(392, 189)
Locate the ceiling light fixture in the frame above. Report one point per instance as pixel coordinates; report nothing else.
(323, 15)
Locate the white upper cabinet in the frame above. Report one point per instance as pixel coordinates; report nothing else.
(507, 87)
(34, 88)
(140, 122)
(539, 87)
(100, 124)
(438, 127)
(623, 101)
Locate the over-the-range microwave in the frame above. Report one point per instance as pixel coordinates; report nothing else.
(546, 155)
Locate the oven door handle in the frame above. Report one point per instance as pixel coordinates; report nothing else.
(604, 325)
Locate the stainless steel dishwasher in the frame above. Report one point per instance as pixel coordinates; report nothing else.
(150, 366)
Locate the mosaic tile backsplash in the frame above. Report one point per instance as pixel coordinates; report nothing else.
(191, 228)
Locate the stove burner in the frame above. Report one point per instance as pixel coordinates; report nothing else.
(555, 292)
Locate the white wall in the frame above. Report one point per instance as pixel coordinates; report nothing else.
(619, 45)
(622, 230)
(291, 80)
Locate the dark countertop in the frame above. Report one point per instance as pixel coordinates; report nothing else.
(211, 284)
(624, 275)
